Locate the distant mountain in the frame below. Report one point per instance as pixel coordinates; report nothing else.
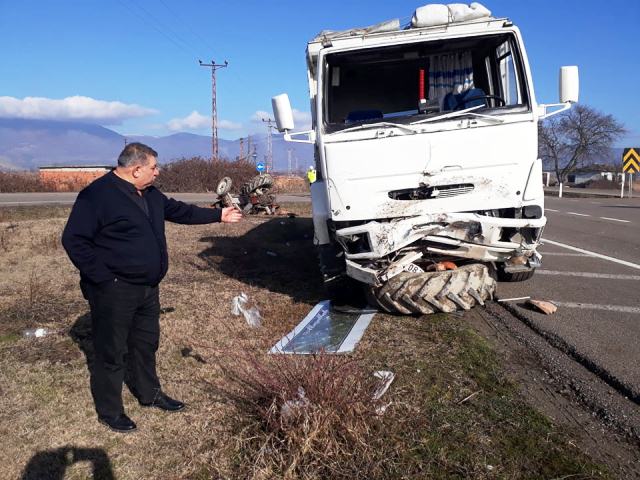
(29, 144)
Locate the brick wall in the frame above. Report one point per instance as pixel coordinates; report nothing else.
(69, 180)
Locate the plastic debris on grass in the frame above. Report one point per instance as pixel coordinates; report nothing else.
(240, 305)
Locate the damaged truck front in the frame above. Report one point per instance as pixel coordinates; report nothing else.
(426, 147)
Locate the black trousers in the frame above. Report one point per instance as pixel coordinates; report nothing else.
(126, 332)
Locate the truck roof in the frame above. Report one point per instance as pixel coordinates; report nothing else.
(364, 37)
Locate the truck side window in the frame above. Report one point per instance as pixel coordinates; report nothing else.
(508, 75)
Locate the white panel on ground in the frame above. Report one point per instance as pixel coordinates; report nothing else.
(326, 330)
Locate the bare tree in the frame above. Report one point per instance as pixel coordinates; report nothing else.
(566, 141)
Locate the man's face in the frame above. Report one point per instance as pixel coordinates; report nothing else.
(144, 175)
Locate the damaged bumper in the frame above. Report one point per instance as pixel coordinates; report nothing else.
(466, 235)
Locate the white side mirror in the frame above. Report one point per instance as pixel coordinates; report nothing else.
(569, 84)
(282, 112)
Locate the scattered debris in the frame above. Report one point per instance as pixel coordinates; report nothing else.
(326, 330)
(35, 332)
(167, 310)
(272, 254)
(188, 352)
(469, 397)
(291, 408)
(239, 305)
(547, 308)
(514, 299)
(386, 378)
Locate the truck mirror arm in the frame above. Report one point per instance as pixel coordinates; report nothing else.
(564, 106)
(311, 136)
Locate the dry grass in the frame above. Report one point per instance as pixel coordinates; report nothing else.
(11, 182)
(234, 426)
(291, 184)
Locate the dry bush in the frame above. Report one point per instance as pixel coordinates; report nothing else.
(39, 304)
(291, 184)
(200, 175)
(308, 416)
(604, 184)
(12, 182)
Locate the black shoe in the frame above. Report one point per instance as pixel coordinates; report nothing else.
(121, 423)
(163, 402)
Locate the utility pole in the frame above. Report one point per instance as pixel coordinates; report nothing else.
(269, 123)
(289, 160)
(241, 155)
(214, 109)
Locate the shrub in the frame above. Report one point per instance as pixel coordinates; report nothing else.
(315, 414)
(12, 182)
(200, 175)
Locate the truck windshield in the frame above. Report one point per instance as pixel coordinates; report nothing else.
(411, 82)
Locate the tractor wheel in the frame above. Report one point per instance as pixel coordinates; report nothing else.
(257, 182)
(430, 292)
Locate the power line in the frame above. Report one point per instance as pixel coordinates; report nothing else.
(193, 31)
(176, 41)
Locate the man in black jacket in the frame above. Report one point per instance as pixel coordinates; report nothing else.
(115, 237)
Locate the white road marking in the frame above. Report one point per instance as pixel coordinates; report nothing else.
(616, 219)
(550, 210)
(592, 254)
(593, 306)
(562, 254)
(589, 275)
(595, 203)
(579, 214)
(43, 202)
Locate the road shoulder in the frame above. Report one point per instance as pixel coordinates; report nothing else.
(602, 423)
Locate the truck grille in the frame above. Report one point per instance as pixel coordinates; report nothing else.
(445, 191)
(425, 192)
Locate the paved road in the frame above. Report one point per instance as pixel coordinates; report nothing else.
(591, 270)
(67, 198)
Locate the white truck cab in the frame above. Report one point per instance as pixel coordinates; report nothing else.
(426, 148)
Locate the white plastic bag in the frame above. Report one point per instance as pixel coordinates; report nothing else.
(240, 305)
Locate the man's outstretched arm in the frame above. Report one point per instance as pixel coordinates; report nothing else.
(180, 212)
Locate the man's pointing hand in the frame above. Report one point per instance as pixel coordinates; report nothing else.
(230, 215)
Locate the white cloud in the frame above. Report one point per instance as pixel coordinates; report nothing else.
(302, 119)
(195, 121)
(78, 108)
(229, 125)
(259, 115)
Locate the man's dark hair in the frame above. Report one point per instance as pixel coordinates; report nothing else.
(135, 154)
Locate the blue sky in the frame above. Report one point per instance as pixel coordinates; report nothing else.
(135, 62)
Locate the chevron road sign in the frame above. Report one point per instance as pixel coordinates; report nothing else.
(631, 160)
